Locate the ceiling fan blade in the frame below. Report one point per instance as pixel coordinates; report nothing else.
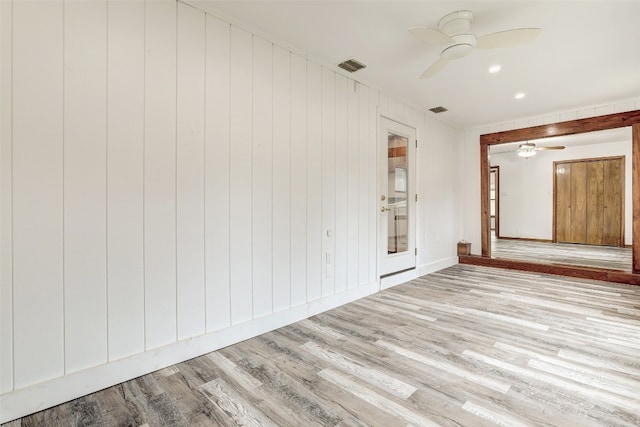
(430, 35)
(434, 68)
(509, 38)
(551, 147)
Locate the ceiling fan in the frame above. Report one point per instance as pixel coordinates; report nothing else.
(528, 149)
(454, 30)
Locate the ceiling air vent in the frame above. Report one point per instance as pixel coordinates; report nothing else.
(437, 110)
(351, 65)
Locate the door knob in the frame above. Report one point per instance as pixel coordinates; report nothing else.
(384, 208)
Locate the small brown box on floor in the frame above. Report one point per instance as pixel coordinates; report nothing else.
(464, 248)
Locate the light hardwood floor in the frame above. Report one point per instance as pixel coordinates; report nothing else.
(467, 346)
(610, 257)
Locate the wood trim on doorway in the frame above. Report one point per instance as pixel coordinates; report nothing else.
(635, 197)
(485, 223)
(496, 171)
(610, 121)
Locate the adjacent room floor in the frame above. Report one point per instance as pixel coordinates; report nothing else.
(611, 257)
(467, 346)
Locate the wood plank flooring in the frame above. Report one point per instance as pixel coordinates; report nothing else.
(467, 346)
(610, 257)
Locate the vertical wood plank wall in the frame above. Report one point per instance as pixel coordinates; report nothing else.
(282, 163)
(38, 192)
(125, 179)
(217, 189)
(84, 182)
(240, 165)
(167, 176)
(298, 180)
(190, 167)
(262, 186)
(6, 191)
(160, 174)
(341, 181)
(328, 180)
(314, 180)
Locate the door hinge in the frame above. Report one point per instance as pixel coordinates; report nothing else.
(416, 251)
(416, 143)
(416, 197)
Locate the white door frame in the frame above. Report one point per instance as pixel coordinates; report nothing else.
(397, 263)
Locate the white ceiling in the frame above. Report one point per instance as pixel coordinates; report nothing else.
(588, 53)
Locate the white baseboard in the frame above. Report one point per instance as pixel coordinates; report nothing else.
(25, 401)
(405, 276)
(336, 300)
(432, 267)
(397, 279)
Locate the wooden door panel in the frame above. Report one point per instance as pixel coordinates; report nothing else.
(589, 202)
(563, 201)
(578, 229)
(613, 202)
(595, 203)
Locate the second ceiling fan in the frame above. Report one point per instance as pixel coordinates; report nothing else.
(454, 30)
(528, 149)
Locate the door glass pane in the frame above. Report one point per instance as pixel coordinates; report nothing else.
(398, 239)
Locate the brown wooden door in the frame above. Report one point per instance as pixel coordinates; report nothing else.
(563, 201)
(595, 202)
(613, 203)
(589, 205)
(578, 206)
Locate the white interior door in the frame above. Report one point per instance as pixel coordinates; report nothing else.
(397, 197)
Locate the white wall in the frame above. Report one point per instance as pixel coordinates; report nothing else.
(470, 187)
(167, 183)
(526, 188)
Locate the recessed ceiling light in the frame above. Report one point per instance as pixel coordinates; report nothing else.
(519, 95)
(494, 69)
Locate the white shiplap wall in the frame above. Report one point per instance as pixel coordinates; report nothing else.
(168, 180)
(6, 192)
(125, 179)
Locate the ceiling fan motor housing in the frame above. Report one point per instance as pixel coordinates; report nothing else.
(458, 22)
(458, 25)
(463, 46)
